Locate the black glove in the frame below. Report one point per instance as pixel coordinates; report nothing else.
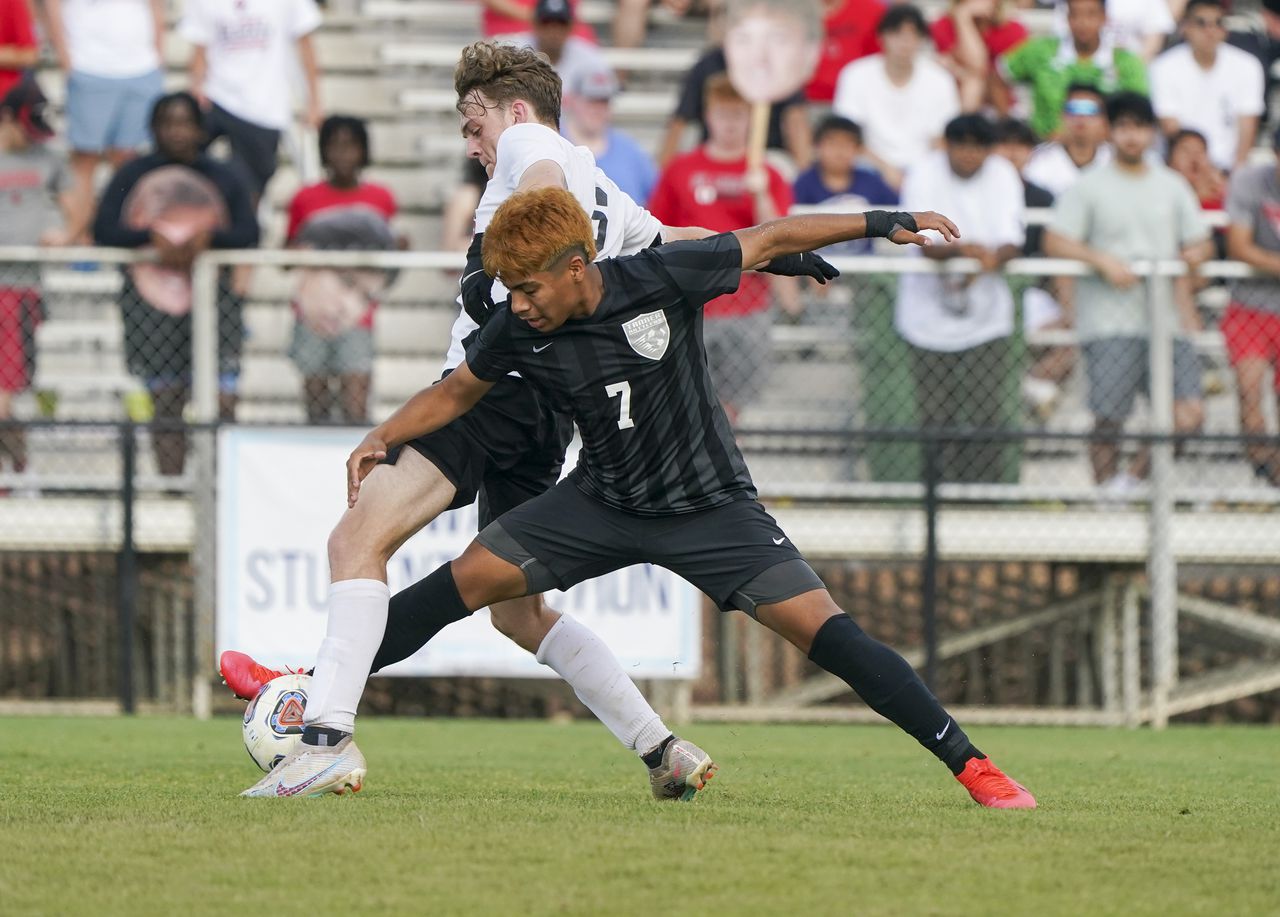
(477, 286)
(805, 264)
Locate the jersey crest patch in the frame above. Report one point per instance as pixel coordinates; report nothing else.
(649, 334)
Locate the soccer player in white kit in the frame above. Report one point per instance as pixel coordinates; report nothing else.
(509, 449)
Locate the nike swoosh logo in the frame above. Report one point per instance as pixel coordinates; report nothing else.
(944, 731)
(542, 348)
(282, 790)
(469, 276)
(780, 540)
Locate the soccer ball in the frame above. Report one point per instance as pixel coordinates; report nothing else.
(273, 719)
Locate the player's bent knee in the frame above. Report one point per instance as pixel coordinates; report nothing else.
(514, 617)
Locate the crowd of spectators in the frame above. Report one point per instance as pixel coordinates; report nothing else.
(965, 111)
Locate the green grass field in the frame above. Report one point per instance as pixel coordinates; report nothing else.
(488, 817)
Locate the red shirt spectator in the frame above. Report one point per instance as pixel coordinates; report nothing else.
(850, 34)
(494, 22)
(999, 37)
(17, 42)
(323, 196)
(696, 190)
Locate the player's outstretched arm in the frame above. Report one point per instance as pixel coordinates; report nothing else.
(803, 233)
(426, 412)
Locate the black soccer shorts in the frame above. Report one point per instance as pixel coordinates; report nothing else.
(507, 449)
(735, 553)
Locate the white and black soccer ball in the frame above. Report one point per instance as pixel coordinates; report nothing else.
(273, 719)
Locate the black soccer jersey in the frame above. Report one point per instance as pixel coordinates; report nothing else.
(655, 440)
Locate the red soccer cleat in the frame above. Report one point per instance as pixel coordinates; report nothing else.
(244, 676)
(990, 787)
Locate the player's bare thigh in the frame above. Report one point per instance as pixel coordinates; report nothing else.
(799, 619)
(483, 578)
(395, 502)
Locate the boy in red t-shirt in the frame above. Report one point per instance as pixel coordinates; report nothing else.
(968, 39)
(711, 187)
(333, 309)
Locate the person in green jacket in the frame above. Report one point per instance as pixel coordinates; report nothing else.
(1049, 64)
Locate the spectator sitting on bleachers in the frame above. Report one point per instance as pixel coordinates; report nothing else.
(1140, 26)
(111, 54)
(178, 202)
(959, 325)
(504, 18)
(837, 181)
(1209, 86)
(1049, 65)
(1251, 325)
(1081, 143)
(333, 309)
(789, 128)
(1041, 302)
(588, 121)
(711, 187)
(850, 29)
(969, 39)
(1187, 154)
(901, 98)
(241, 72)
(34, 181)
(552, 35)
(19, 48)
(1127, 210)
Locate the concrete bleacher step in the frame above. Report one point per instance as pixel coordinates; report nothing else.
(424, 287)
(397, 330)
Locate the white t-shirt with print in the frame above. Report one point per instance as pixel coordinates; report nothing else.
(1210, 101)
(249, 45)
(899, 123)
(622, 226)
(110, 38)
(957, 312)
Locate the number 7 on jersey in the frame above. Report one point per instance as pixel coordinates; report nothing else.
(623, 390)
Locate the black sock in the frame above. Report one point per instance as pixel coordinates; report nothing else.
(322, 735)
(891, 688)
(417, 614)
(654, 758)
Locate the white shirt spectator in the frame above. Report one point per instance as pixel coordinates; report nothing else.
(899, 123)
(249, 45)
(1052, 168)
(1210, 101)
(1129, 22)
(578, 58)
(937, 312)
(110, 38)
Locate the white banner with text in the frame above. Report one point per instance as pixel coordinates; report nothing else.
(280, 492)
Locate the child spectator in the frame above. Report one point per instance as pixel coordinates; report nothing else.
(34, 182)
(711, 187)
(179, 202)
(969, 38)
(1048, 65)
(333, 331)
(110, 51)
(901, 98)
(836, 180)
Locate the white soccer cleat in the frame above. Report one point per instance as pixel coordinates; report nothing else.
(314, 770)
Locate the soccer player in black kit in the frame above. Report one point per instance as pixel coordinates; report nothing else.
(618, 344)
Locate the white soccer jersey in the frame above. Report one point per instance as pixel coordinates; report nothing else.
(622, 226)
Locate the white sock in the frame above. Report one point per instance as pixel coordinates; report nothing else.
(581, 658)
(357, 622)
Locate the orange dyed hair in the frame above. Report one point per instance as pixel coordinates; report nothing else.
(533, 230)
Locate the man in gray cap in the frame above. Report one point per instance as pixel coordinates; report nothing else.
(588, 121)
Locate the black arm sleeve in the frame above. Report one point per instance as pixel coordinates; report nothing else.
(477, 286)
(107, 228)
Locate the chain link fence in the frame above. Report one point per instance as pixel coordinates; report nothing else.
(1054, 529)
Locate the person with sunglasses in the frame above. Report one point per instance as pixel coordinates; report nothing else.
(1081, 143)
(1210, 86)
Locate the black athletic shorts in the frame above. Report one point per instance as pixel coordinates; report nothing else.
(254, 148)
(507, 449)
(735, 553)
